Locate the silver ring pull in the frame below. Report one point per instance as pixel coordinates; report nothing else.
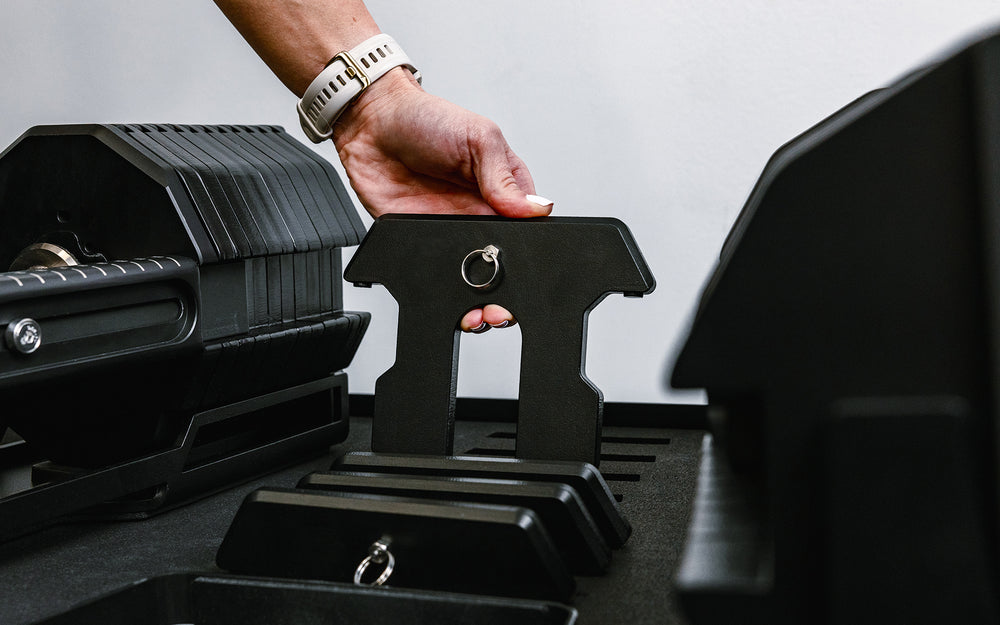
(378, 553)
(490, 254)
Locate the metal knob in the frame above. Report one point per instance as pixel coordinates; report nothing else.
(23, 336)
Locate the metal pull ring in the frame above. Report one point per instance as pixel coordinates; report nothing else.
(379, 554)
(490, 254)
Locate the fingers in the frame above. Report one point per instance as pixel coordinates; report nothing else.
(480, 320)
(504, 181)
(473, 321)
(497, 316)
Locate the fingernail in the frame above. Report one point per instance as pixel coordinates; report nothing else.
(482, 327)
(502, 324)
(541, 201)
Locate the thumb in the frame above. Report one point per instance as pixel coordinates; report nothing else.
(504, 181)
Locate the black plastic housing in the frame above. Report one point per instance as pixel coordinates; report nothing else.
(849, 342)
(209, 279)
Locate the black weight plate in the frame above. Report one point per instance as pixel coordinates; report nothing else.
(583, 477)
(478, 549)
(252, 192)
(558, 506)
(217, 228)
(189, 146)
(310, 189)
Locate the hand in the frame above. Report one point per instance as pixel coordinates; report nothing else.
(406, 151)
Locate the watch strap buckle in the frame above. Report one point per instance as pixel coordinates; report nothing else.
(344, 79)
(353, 69)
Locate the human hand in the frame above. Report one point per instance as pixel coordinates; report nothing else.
(406, 151)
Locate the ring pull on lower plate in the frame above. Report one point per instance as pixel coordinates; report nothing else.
(490, 254)
(378, 553)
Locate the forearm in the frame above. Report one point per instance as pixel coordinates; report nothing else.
(296, 38)
(404, 150)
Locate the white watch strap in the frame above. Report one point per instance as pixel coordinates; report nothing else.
(343, 79)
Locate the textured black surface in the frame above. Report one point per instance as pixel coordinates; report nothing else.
(50, 571)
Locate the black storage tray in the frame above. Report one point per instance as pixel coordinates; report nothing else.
(232, 600)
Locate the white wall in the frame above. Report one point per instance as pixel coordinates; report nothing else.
(659, 112)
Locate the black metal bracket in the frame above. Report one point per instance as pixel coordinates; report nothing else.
(549, 272)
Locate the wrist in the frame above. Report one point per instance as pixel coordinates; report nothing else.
(346, 78)
(393, 85)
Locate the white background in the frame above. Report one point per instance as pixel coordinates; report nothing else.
(659, 112)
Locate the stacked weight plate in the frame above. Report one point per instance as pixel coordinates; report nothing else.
(492, 526)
